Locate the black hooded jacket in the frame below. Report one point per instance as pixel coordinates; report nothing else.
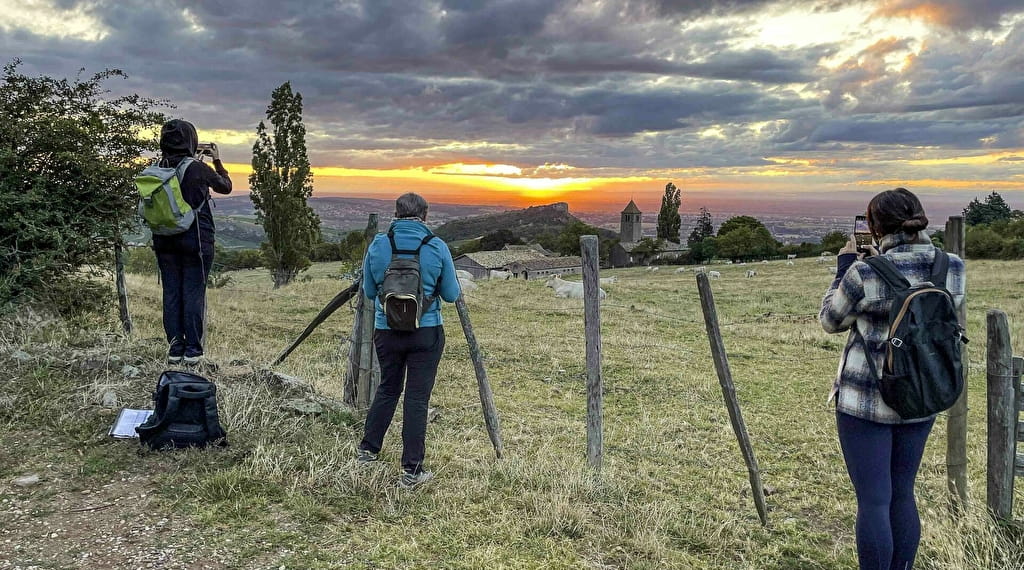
(178, 140)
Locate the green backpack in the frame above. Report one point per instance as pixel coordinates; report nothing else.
(161, 204)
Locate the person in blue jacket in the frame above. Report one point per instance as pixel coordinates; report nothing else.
(409, 355)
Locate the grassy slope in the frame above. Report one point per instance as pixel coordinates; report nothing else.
(673, 493)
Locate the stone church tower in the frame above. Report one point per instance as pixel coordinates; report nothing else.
(629, 224)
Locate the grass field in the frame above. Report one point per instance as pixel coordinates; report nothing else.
(287, 493)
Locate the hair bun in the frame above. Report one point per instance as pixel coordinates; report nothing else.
(914, 225)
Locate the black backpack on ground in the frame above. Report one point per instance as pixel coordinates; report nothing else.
(401, 292)
(923, 371)
(184, 413)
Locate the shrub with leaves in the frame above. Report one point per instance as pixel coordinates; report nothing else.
(68, 155)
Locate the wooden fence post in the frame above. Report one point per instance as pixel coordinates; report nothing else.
(364, 370)
(491, 419)
(707, 303)
(956, 418)
(1002, 416)
(592, 329)
(122, 290)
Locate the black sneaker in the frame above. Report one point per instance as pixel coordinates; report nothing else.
(410, 481)
(365, 456)
(192, 360)
(174, 360)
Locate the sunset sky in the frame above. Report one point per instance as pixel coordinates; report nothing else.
(749, 106)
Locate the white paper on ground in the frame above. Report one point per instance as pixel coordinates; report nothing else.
(126, 422)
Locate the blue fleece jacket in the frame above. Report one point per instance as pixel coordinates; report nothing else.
(436, 266)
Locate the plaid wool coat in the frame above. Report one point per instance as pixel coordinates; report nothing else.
(859, 301)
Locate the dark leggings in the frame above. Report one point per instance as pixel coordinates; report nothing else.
(411, 357)
(882, 460)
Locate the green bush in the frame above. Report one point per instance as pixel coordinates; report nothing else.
(68, 156)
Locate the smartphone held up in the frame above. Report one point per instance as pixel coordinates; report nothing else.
(205, 149)
(862, 234)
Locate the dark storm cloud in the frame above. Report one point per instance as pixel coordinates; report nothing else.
(617, 83)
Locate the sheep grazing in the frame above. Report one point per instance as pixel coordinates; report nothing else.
(790, 263)
(467, 285)
(682, 270)
(701, 269)
(751, 273)
(652, 268)
(500, 275)
(714, 275)
(764, 261)
(569, 289)
(790, 256)
(463, 274)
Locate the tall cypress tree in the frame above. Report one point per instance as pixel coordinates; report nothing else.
(669, 221)
(281, 183)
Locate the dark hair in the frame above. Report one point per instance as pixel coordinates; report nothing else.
(410, 205)
(896, 210)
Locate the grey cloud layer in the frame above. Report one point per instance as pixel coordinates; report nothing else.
(629, 84)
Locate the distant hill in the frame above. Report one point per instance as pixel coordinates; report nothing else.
(527, 224)
(237, 228)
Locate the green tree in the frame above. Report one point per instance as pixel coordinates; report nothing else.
(834, 241)
(669, 221)
(569, 239)
(499, 239)
(68, 156)
(702, 230)
(281, 183)
(737, 222)
(993, 209)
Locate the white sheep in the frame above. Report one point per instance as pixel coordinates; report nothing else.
(467, 285)
(714, 275)
(570, 289)
(701, 269)
(790, 256)
(751, 273)
(822, 260)
(682, 270)
(790, 263)
(463, 274)
(764, 261)
(501, 275)
(652, 268)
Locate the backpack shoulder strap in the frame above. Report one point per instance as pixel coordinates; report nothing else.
(887, 270)
(940, 268)
(182, 167)
(416, 252)
(424, 241)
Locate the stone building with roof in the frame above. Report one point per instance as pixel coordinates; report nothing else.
(623, 254)
(545, 267)
(480, 263)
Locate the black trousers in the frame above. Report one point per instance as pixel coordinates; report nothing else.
(183, 276)
(411, 356)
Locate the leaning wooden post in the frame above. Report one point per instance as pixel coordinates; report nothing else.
(707, 303)
(122, 290)
(364, 372)
(491, 419)
(956, 418)
(1002, 416)
(592, 328)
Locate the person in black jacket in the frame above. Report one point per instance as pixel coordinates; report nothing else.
(185, 259)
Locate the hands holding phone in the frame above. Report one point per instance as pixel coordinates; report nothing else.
(862, 251)
(207, 149)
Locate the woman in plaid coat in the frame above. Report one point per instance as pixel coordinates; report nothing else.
(882, 451)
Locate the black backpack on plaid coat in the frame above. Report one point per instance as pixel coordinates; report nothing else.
(922, 374)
